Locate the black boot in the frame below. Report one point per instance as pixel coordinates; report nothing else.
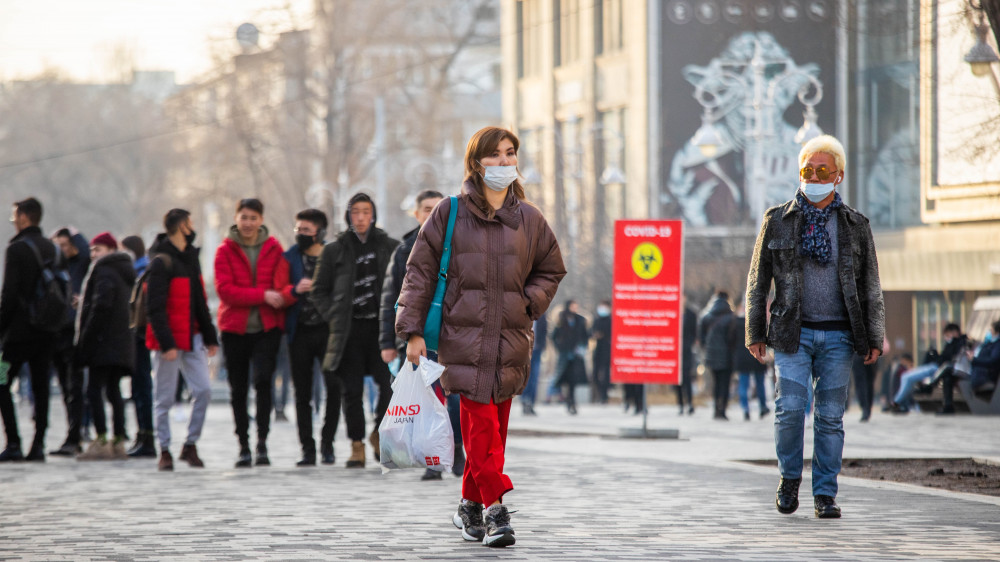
(308, 457)
(143, 446)
(787, 497)
(826, 507)
(262, 459)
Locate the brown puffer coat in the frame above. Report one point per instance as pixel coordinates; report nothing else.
(504, 271)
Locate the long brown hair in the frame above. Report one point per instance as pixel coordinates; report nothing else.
(481, 145)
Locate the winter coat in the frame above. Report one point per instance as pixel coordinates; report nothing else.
(240, 291)
(570, 339)
(333, 286)
(777, 257)
(390, 292)
(743, 361)
(176, 306)
(713, 330)
(541, 327)
(601, 331)
(20, 281)
(504, 271)
(103, 337)
(986, 364)
(79, 264)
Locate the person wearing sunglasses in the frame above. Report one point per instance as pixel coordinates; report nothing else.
(827, 307)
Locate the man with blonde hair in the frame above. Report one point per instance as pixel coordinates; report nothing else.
(827, 306)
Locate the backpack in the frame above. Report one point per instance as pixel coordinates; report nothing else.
(51, 307)
(137, 319)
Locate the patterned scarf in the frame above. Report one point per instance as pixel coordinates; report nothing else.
(815, 238)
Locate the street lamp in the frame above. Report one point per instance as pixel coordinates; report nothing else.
(981, 56)
(760, 91)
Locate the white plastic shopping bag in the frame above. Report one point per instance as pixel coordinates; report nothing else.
(416, 430)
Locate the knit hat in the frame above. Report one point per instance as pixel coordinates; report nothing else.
(105, 239)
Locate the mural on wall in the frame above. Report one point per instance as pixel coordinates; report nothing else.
(750, 97)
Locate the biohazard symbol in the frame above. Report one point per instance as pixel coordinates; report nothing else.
(647, 260)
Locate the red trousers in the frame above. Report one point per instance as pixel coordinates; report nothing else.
(484, 436)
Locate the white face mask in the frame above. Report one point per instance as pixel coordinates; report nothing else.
(499, 178)
(816, 192)
(603, 311)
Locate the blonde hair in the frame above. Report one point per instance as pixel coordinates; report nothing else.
(825, 144)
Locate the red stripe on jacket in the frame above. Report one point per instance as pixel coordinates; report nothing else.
(179, 319)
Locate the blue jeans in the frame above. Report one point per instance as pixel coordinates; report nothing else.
(824, 360)
(531, 388)
(744, 390)
(908, 382)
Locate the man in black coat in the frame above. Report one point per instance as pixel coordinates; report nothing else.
(346, 290)
(713, 329)
(390, 346)
(104, 342)
(21, 343)
(601, 357)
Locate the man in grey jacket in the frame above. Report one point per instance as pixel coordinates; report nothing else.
(827, 307)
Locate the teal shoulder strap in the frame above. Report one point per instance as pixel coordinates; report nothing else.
(446, 252)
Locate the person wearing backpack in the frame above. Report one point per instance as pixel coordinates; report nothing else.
(713, 330)
(142, 376)
(21, 340)
(103, 342)
(179, 331)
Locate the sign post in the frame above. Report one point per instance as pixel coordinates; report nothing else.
(646, 308)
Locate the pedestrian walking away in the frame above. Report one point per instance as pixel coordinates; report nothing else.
(346, 290)
(713, 333)
(601, 357)
(251, 279)
(570, 338)
(814, 243)
(23, 341)
(307, 333)
(179, 332)
(103, 342)
(503, 274)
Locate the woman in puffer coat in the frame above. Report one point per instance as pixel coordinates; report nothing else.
(504, 270)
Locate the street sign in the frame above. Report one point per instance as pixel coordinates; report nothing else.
(646, 308)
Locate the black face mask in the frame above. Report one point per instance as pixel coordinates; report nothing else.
(189, 237)
(305, 241)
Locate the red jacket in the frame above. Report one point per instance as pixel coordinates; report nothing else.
(238, 293)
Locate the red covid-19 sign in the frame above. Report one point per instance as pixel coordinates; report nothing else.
(646, 323)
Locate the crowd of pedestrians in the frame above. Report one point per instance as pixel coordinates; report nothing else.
(102, 311)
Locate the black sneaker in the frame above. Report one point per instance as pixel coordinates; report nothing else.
(245, 460)
(469, 518)
(67, 449)
(787, 497)
(12, 453)
(499, 533)
(431, 475)
(326, 453)
(826, 507)
(262, 459)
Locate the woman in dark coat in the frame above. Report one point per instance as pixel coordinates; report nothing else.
(570, 338)
(504, 271)
(104, 341)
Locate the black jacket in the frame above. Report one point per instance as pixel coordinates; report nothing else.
(333, 287)
(777, 258)
(601, 330)
(20, 282)
(103, 337)
(390, 291)
(541, 328)
(713, 330)
(196, 315)
(689, 335)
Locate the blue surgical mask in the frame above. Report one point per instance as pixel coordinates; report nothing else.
(603, 311)
(816, 192)
(989, 338)
(499, 178)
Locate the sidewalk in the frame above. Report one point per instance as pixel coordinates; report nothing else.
(586, 497)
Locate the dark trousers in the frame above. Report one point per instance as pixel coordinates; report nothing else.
(361, 357)
(864, 385)
(308, 347)
(142, 387)
(37, 355)
(107, 379)
(721, 379)
(240, 351)
(634, 396)
(683, 389)
(71, 382)
(602, 376)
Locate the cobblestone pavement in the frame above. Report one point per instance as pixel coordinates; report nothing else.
(586, 497)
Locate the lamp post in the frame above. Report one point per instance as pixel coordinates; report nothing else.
(981, 56)
(762, 114)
